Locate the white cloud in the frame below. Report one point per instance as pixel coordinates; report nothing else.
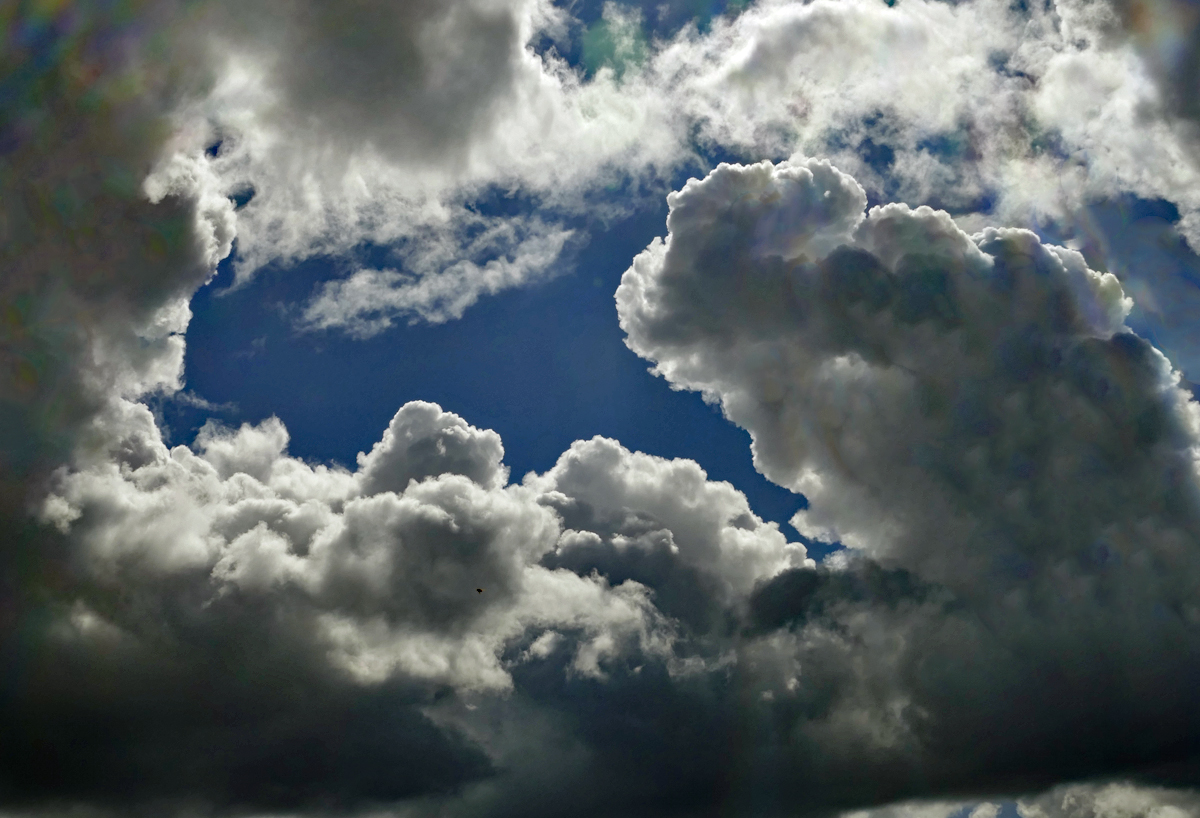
(633, 514)
(350, 137)
(423, 441)
(850, 368)
(1116, 800)
(1015, 471)
(441, 280)
(386, 123)
(1037, 110)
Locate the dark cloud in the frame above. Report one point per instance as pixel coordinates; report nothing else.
(101, 244)
(1167, 35)
(239, 631)
(799, 596)
(220, 704)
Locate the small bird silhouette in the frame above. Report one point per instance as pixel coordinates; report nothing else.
(479, 590)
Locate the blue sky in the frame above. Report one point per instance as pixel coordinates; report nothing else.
(558, 373)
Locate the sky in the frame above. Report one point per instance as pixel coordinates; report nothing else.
(475, 408)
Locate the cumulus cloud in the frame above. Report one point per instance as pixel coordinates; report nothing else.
(1013, 470)
(235, 579)
(396, 125)
(423, 441)
(1020, 113)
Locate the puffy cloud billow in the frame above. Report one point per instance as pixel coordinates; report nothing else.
(1014, 473)
(297, 628)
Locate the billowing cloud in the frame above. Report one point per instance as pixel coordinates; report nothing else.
(290, 598)
(1019, 113)
(1013, 470)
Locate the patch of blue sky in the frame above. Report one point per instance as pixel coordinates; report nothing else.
(543, 365)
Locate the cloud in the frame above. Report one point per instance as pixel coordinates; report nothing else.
(231, 629)
(664, 524)
(440, 280)
(400, 125)
(1002, 115)
(1021, 114)
(423, 441)
(103, 243)
(396, 125)
(1117, 800)
(1014, 471)
(300, 602)
(935, 809)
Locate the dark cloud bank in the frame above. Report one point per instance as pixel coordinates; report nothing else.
(225, 629)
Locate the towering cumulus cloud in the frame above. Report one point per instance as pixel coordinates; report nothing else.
(1013, 471)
